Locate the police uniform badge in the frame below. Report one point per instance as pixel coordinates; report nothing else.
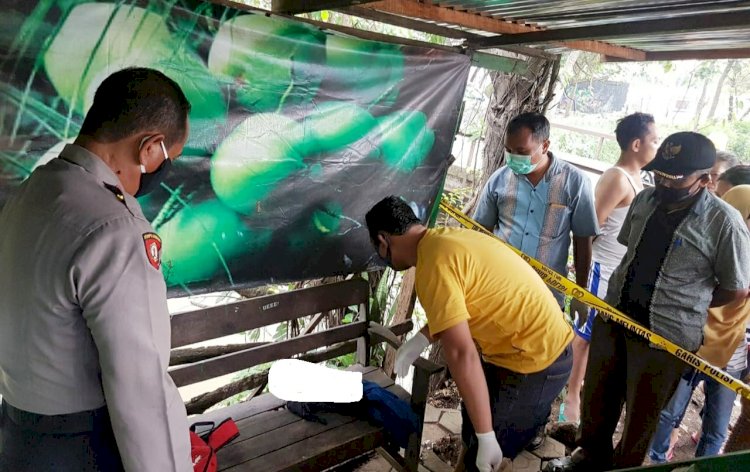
(152, 242)
(671, 151)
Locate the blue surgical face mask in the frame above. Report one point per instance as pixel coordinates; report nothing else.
(520, 163)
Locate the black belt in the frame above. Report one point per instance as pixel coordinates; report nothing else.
(72, 423)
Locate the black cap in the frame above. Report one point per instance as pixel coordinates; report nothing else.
(682, 154)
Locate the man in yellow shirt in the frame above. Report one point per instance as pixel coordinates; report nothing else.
(504, 339)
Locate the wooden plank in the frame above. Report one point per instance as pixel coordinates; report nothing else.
(265, 433)
(601, 47)
(687, 54)
(215, 322)
(239, 411)
(386, 38)
(409, 23)
(267, 401)
(431, 12)
(499, 63)
(265, 423)
(244, 449)
(324, 355)
(315, 322)
(229, 363)
(714, 21)
(318, 452)
(258, 381)
(293, 7)
(188, 355)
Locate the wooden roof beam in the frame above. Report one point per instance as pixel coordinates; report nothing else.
(683, 55)
(293, 7)
(432, 28)
(431, 12)
(716, 21)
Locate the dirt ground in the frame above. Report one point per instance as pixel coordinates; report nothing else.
(449, 448)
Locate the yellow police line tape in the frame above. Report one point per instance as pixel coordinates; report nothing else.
(568, 287)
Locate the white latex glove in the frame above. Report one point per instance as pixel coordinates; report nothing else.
(489, 454)
(409, 352)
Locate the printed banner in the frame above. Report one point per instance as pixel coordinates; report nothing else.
(295, 132)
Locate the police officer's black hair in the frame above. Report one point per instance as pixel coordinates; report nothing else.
(537, 123)
(391, 215)
(135, 100)
(632, 127)
(737, 175)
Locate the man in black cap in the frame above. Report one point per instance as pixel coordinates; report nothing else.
(687, 250)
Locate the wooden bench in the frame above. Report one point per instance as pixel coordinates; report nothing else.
(272, 438)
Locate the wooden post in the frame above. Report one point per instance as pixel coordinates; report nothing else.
(419, 389)
(363, 343)
(405, 302)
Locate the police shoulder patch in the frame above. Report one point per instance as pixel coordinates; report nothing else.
(152, 242)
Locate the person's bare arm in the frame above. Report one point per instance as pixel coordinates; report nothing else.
(426, 333)
(466, 368)
(612, 190)
(582, 258)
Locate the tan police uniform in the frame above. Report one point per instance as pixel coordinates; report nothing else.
(83, 311)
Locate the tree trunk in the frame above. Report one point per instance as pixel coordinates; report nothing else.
(732, 97)
(203, 402)
(188, 355)
(701, 104)
(719, 87)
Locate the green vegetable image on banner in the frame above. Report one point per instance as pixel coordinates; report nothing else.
(405, 139)
(332, 126)
(275, 62)
(367, 72)
(98, 39)
(295, 130)
(199, 241)
(259, 153)
(323, 222)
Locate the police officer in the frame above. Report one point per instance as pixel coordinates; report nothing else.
(84, 326)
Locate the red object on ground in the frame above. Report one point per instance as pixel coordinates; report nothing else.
(203, 447)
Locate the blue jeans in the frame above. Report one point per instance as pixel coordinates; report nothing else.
(716, 413)
(520, 405)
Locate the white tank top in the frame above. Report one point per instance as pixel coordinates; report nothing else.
(606, 250)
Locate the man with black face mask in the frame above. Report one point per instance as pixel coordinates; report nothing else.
(84, 325)
(686, 250)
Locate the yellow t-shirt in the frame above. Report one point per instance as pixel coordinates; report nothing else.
(512, 315)
(724, 331)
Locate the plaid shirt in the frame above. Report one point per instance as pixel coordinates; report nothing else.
(709, 249)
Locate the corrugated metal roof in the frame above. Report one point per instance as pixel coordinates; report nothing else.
(561, 14)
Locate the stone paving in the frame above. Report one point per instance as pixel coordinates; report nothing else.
(440, 423)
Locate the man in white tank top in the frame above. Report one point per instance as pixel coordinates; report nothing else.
(615, 190)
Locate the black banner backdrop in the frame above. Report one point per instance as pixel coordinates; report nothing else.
(295, 132)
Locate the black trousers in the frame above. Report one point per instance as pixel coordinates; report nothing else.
(623, 369)
(62, 443)
(520, 405)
